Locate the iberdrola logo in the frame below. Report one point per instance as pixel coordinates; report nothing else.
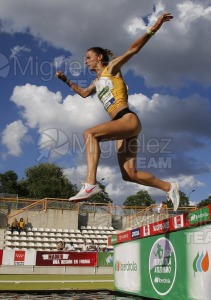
(201, 262)
(129, 266)
(117, 265)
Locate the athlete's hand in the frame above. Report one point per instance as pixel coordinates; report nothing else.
(162, 19)
(61, 76)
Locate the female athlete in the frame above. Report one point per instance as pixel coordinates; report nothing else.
(124, 126)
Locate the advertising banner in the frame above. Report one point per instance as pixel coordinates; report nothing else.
(19, 257)
(198, 241)
(169, 266)
(112, 239)
(160, 227)
(76, 259)
(199, 216)
(105, 259)
(145, 230)
(127, 267)
(194, 218)
(135, 233)
(164, 271)
(1, 254)
(124, 236)
(109, 240)
(178, 222)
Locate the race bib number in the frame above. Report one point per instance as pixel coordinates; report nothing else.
(104, 86)
(106, 97)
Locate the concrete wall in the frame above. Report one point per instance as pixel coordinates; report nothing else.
(99, 219)
(68, 219)
(120, 223)
(95, 219)
(1, 238)
(55, 270)
(52, 218)
(65, 219)
(3, 219)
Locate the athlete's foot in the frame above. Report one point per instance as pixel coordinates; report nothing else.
(174, 195)
(88, 190)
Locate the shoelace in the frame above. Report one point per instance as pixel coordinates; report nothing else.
(167, 196)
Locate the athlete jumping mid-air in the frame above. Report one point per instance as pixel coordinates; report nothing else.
(124, 126)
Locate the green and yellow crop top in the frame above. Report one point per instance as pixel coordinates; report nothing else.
(111, 91)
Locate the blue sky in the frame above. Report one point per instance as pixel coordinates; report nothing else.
(169, 82)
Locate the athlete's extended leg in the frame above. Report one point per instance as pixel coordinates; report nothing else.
(125, 127)
(113, 130)
(92, 157)
(127, 152)
(89, 188)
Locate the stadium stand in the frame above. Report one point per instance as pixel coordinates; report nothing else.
(52, 220)
(46, 238)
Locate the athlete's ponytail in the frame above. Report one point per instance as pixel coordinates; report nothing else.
(110, 53)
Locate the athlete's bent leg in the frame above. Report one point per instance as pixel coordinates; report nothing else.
(127, 151)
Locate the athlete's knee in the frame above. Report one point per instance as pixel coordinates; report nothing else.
(129, 175)
(125, 177)
(87, 134)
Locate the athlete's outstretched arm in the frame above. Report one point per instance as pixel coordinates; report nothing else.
(116, 64)
(83, 92)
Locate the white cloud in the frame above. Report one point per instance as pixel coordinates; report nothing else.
(163, 117)
(37, 104)
(17, 51)
(70, 23)
(177, 55)
(12, 137)
(170, 116)
(190, 11)
(48, 113)
(189, 182)
(180, 47)
(43, 108)
(135, 25)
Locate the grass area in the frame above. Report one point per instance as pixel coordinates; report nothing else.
(58, 284)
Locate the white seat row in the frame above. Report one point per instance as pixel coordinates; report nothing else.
(30, 244)
(51, 240)
(46, 238)
(47, 231)
(54, 230)
(36, 244)
(55, 237)
(108, 232)
(97, 228)
(58, 234)
(40, 245)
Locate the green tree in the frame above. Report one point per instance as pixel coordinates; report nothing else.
(23, 190)
(204, 202)
(102, 197)
(47, 180)
(142, 198)
(9, 182)
(184, 201)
